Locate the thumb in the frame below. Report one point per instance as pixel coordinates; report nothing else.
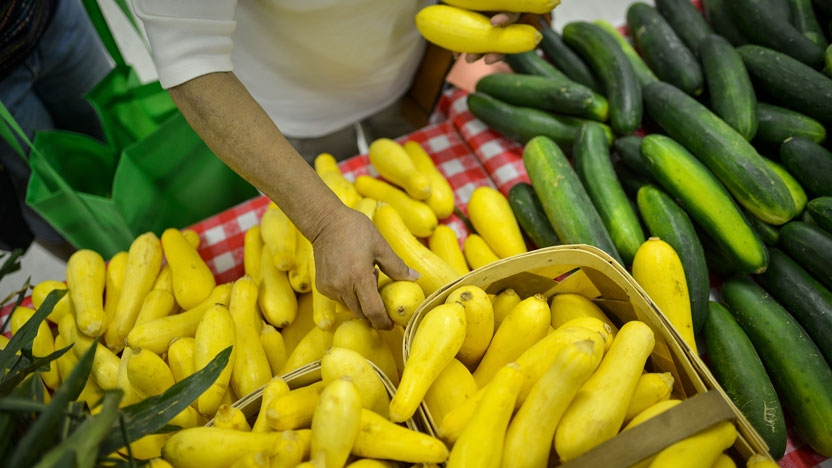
(394, 267)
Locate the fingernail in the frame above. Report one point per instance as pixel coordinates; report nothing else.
(413, 274)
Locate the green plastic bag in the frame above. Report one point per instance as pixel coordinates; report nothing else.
(101, 200)
(129, 109)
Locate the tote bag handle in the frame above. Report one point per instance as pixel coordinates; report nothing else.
(100, 23)
(8, 129)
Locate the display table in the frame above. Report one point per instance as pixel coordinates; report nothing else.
(468, 154)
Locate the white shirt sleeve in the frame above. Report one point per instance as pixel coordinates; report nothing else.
(188, 38)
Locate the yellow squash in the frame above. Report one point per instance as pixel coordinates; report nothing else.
(326, 166)
(494, 220)
(658, 269)
(385, 440)
(435, 343)
(597, 412)
(417, 215)
(276, 298)
(465, 31)
(114, 282)
(214, 333)
(358, 335)
(477, 252)
(441, 199)
(517, 6)
(435, 272)
(251, 368)
(212, 447)
(400, 299)
(445, 243)
(294, 410)
(479, 322)
(279, 237)
(252, 252)
(395, 165)
(86, 277)
(192, 280)
(336, 421)
(274, 346)
(344, 362)
(503, 302)
(451, 388)
(567, 306)
(64, 304)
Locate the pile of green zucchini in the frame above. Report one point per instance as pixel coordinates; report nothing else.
(707, 128)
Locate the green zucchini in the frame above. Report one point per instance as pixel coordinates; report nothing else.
(730, 90)
(614, 71)
(799, 196)
(667, 220)
(530, 215)
(567, 60)
(705, 200)
(811, 247)
(628, 149)
(809, 163)
(643, 72)
(802, 295)
(593, 164)
(524, 123)
(795, 85)
(775, 124)
(663, 50)
(820, 209)
(726, 153)
(538, 92)
(741, 373)
(686, 20)
(564, 198)
(721, 22)
(757, 20)
(530, 63)
(800, 374)
(803, 17)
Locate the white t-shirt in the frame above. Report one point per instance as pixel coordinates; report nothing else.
(315, 66)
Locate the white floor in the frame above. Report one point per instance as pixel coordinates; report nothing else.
(38, 264)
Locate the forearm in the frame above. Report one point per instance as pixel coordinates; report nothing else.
(239, 131)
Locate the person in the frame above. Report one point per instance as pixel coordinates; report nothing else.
(50, 57)
(263, 80)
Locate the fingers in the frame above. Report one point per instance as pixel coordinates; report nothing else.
(504, 18)
(394, 267)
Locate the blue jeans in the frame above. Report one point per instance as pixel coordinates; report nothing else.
(47, 92)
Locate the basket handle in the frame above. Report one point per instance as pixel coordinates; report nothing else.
(692, 415)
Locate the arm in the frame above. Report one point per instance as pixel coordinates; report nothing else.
(347, 245)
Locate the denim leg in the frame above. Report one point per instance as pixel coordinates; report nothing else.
(47, 92)
(72, 61)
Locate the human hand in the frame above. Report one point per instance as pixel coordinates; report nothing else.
(347, 249)
(500, 19)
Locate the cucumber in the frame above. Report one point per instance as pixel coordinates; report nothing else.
(809, 163)
(530, 63)
(802, 295)
(705, 200)
(793, 361)
(757, 20)
(643, 72)
(663, 51)
(770, 235)
(795, 85)
(631, 181)
(686, 20)
(721, 22)
(803, 17)
(729, 156)
(566, 59)
(563, 196)
(741, 373)
(799, 196)
(811, 247)
(524, 123)
(820, 209)
(776, 124)
(782, 9)
(613, 69)
(537, 92)
(732, 95)
(628, 149)
(527, 208)
(593, 164)
(667, 220)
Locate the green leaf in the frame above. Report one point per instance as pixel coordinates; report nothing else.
(26, 335)
(48, 424)
(25, 367)
(86, 439)
(152, 414)
(21, 405)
